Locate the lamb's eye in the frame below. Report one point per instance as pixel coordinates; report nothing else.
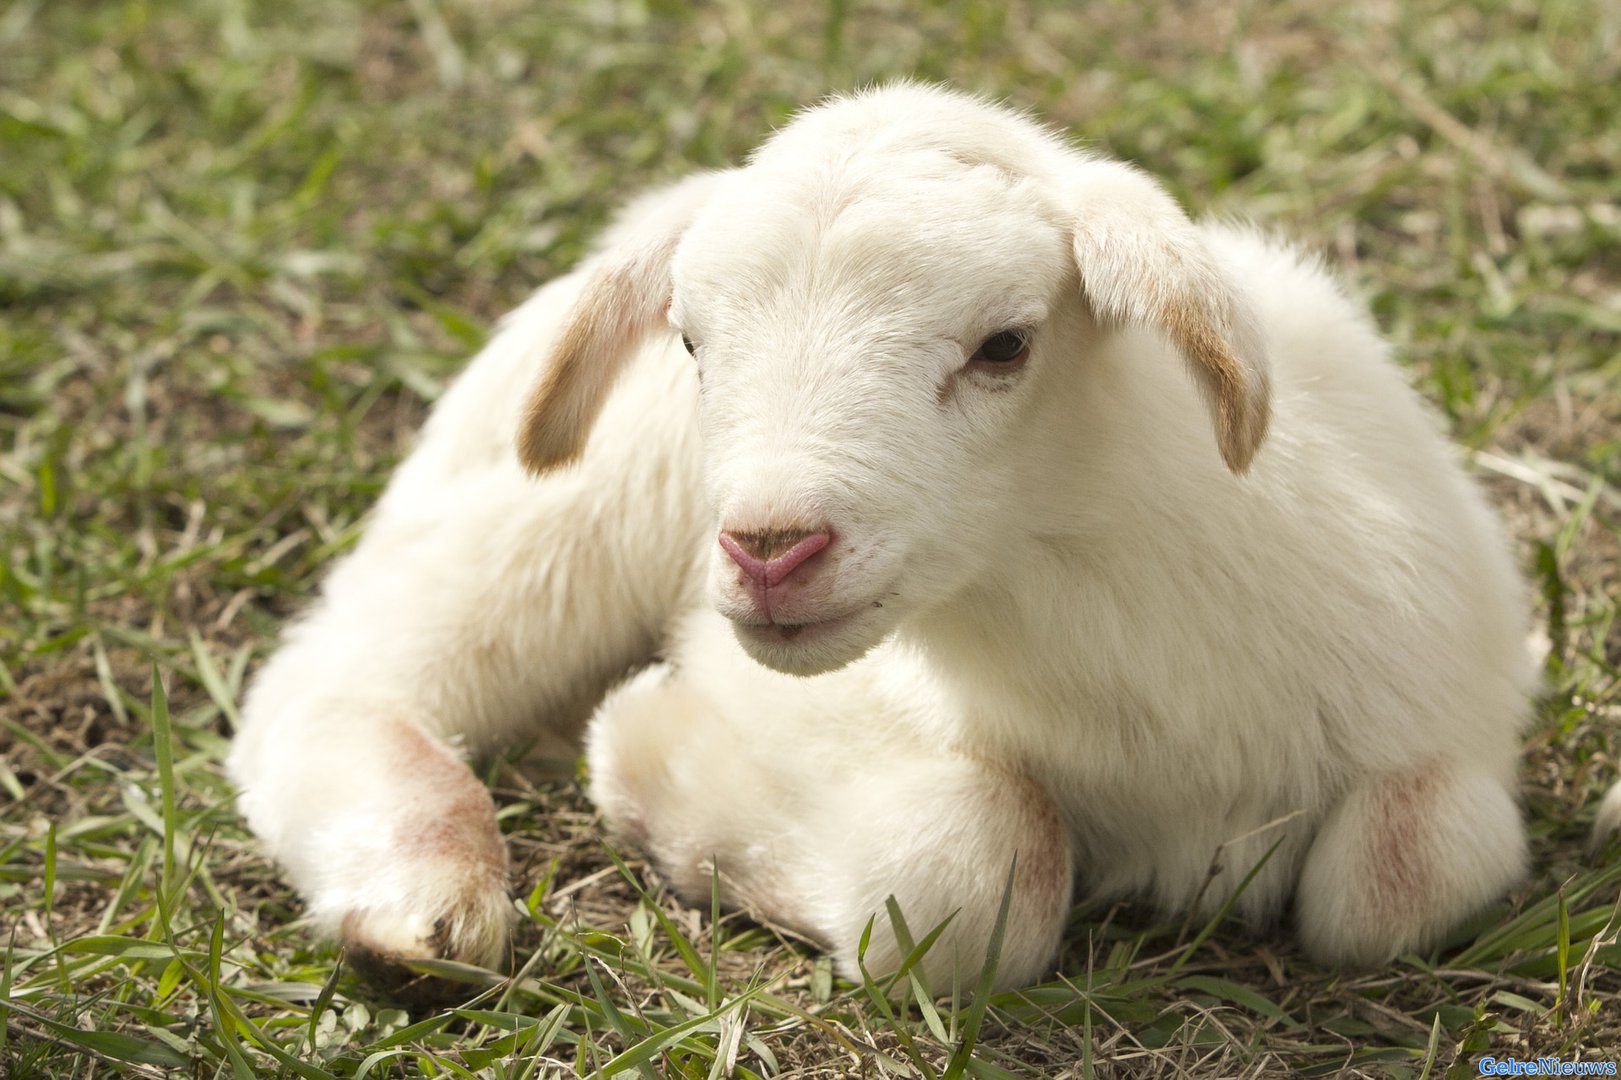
(1006, 349)
(692, 350)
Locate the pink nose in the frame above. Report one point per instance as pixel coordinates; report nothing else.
(770, 555)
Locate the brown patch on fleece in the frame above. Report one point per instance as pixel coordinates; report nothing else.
(1401, 875)
(454, 820)
(1045, 875)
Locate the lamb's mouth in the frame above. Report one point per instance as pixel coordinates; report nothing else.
(813, 641)
(796, 633)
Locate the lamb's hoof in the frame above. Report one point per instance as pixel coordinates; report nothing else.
(391, 978)
(381, 946)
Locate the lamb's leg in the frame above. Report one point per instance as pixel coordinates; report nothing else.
(1405, 857)
(815, 802)
(482, 609)
(389, 837)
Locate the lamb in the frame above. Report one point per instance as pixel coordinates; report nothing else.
(1049, 540)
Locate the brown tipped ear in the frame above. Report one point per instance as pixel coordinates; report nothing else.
(1142, 263)
(624, 299)
(621, 303)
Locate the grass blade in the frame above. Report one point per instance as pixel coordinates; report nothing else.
(987, 979)
(163, 751)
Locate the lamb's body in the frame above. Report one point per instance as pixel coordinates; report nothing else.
(1151, 663)
(1171, 710)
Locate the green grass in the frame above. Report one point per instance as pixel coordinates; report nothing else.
(243, 246)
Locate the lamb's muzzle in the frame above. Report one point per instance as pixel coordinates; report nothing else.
(768, 556)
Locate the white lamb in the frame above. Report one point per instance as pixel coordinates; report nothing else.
(1024, 593)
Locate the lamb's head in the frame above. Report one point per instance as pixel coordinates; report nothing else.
(883, 307)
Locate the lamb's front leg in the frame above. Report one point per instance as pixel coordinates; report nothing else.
(1404, 857)
(482, 609)
(815, 800)
(388, 836)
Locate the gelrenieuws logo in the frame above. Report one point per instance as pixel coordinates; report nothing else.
(1495, 1066)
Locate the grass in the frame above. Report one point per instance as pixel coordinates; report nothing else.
(242, 248)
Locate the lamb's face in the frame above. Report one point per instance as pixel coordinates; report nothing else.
(867, 347)
(878, 303)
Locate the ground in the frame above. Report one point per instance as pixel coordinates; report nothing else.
(244, 246)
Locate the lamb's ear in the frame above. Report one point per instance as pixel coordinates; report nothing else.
(624, 299)
(1141, 262)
